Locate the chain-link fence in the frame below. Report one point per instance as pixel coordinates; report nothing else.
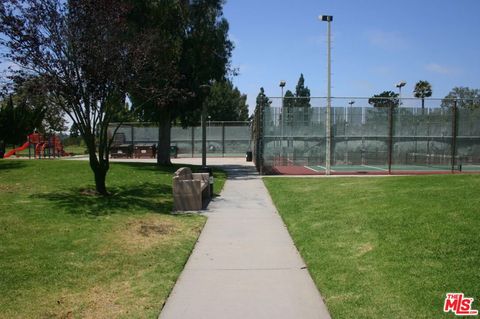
(396, 135)
(224, 139)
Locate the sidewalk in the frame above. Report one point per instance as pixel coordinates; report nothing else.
(245, 264)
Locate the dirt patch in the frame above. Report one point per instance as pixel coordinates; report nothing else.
(148, 230)
(8, 188)
(364, 248)
(97, 302)
(143, 234)
(88, 192)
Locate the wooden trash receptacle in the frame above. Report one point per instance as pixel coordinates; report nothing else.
(144, 150)
(121, 151)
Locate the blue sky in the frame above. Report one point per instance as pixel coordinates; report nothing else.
(375, 45)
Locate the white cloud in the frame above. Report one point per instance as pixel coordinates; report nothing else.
(442, 69)
(387, 40)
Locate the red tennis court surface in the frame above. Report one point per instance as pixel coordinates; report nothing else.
(369, 170)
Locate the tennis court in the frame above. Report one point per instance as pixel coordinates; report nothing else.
(407, 139)
(374, 169)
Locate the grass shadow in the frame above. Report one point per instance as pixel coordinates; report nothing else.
(160, 168)
(7, 165)
(151, 197)
(170, 169)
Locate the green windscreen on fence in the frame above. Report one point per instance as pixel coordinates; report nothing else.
(368, 135)
(223, 138)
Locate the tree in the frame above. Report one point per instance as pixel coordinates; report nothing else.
(17, 120)
(289, 102)
(32, 92)
(190, 49)
(422, 90)
(466, 98)
(384, 99)
(302, 93)
(226, 103)
(262, 100)
(74, 132)
(78, 48)
(289, 99)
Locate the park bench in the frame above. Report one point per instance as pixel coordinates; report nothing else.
(120, 148)
(191, 191)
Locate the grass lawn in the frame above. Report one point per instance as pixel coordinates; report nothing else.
(67, 254)
(75, 149)
(386, 247)
(72, 149)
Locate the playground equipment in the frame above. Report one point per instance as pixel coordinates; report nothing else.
(41, 146)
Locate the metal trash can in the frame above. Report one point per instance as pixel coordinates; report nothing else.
(173, 151)
(249, 156)
(210, 179)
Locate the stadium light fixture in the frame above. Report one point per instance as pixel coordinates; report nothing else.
(400, 85)
(328, 147)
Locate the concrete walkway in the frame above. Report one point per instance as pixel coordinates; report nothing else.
(245, 264)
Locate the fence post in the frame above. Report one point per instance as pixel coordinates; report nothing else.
(132, 135)
(193, 141)
(390, 138)
(223, 139)
(454, 134)
(260, 138)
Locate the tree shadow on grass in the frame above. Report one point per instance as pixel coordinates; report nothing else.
(164, 169)
(7, 165)
(141, 198)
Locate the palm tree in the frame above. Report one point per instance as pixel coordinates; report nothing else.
(422, 90)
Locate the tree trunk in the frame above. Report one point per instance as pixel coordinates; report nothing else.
(163, 147)
(100, 178)
(99, 168)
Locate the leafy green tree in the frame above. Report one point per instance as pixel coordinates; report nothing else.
(302, 93)
(226, 103)
(289, 99)
(422, 90)
(186, 46)
(289, 103)
(384, 99)
(466, 98)
(33, 92)
(262, 100)
(79, 49)
(74, 132)
(17, 120)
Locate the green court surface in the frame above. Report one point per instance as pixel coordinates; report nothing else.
(395, 167)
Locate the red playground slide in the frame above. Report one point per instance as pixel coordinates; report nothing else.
(18, 149)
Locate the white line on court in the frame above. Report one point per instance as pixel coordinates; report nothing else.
(374, 167)
(470, 165)
(312, 169)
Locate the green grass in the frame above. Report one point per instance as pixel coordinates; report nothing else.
(387, 247)
(75, 149)
(72, 149)
(64, 253)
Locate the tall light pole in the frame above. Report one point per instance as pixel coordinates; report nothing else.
(282, 85)
(328, 148)
(205, 89)
(351, 102)
(400, 85)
